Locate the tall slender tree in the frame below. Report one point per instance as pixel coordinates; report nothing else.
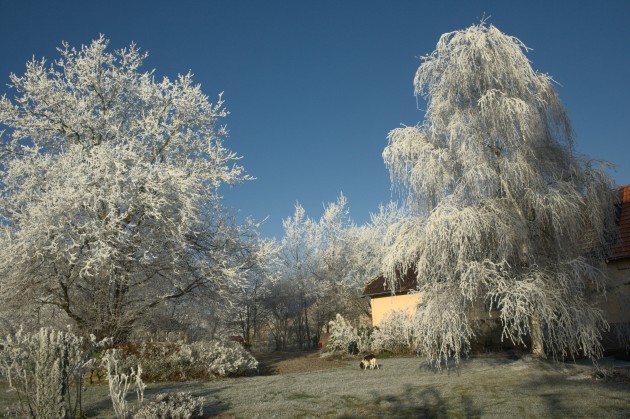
(503, 208)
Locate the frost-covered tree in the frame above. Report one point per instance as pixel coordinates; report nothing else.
(366, 242)
(295, 289)
(338, 276)
(323, 267)
(248, 315)
(109, 185)
(503, 209)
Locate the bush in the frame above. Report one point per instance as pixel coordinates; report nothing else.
(366, 338)
(181, 361)
(395, 333)
(225, 358)
(160, 361)
(172, 406)
(343, 337)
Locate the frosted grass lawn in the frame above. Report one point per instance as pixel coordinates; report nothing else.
(403, 387)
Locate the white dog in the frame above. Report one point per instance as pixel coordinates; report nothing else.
(369, 362)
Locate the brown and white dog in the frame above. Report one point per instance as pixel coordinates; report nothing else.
(369, 362)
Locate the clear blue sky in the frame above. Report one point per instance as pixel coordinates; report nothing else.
(314, 87)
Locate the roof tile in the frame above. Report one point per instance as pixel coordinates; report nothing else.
(621, 248)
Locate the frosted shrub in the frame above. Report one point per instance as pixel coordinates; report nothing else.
(45, 369)
(343, 337)
(172, 406)
(225, 358)
(171, 361)
(161, 361)
(121, 383)
(366, 338)
(395, 333)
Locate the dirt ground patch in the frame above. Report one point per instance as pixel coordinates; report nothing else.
(279, 363)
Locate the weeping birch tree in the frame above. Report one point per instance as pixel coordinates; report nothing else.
(503, 210)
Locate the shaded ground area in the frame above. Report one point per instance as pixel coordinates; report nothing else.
(276, 363)
(487, 386)
(304, 385)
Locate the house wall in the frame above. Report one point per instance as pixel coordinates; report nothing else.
(616, 306)
(383, 305)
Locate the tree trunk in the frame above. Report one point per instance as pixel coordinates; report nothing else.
(537, 349)
(309, 343)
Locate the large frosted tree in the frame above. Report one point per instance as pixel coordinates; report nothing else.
(109, 186)
(504, 211)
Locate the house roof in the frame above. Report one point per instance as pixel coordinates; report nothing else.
(379, 286)
(621, 248)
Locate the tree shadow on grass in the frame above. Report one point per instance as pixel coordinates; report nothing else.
(274, 363)
(549, 391)
(562, 395)
(211, 406)
(416, 402)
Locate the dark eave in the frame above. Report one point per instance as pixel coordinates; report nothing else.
(380, 287)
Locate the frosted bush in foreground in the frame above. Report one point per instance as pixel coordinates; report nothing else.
(121, 383)
(172, 406)
(45, 369)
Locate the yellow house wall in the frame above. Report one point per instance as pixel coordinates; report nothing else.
(616, 305)
(383, 305)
